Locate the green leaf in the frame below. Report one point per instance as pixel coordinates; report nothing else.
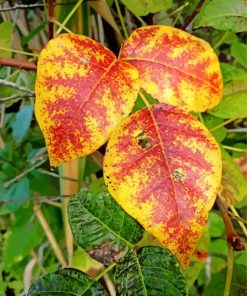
(144, 7)
(223, 15)
(230, 72)
(233, 103)
(152, 271)
(233, 181)
(101, 227)
(212, 121)
(238, 284)
(6, 29)
(22, 237)
(66, 282)
(22, 123)
(216, 224)
(239, 52)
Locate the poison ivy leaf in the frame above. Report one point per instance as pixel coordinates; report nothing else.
(235, 93)
(22, 123)
(216, 225)
(175, 67)
(82, 93)
(239, 52)
(151, 271)
(6, 29)
(233, 181)
(223, 15)
(66, 282)
(101, 227)
(164, 168)
(231, 72)
(144, 7)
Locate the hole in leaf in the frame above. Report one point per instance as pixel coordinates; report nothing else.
(146, 143)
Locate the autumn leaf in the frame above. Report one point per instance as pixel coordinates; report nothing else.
(164, 168)
(82, 93)
(175, 67)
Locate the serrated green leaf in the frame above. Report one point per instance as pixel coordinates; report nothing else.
(239, 52)
(66, 282)
(144, 7)
(233, 103)
(152, 271)
(230, 72)
(101, 227)
(6, 29)
(223, 15)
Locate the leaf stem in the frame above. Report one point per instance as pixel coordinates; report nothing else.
(234, 148)
(201, 118)
(241, 224)
(68, 17)
(51, 15)
(19, 51)
(229, 270)
(106, 270)
(49, 234)
(126, 35)
(226, 122)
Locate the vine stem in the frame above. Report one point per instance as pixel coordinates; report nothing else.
(126, 35)
(51, 15)
(18, 64)
(226, 122)
(201, 118)
(234, 148)
(218, 44)
(102, 273)
(241, 224)
(232, 236)
(49, 234)
(68, 17)
(16, 86)
(229, 270)
(19, 51)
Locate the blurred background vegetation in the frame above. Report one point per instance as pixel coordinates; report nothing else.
(34, 234)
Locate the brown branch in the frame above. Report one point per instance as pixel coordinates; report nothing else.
(18, 64)
(232, 236)
(51, 24)
(193, 15)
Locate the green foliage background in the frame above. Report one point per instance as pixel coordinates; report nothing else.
(26, 178)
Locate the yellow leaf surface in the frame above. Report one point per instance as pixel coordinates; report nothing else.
(82, 93)
(164, 168)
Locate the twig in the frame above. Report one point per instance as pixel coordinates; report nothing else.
(193, 15)
(69, 16)
(18, 96)
(19, 51)
(18, 64)
(51, 15)
(232, 236)
(16, 86)
(126, 35)
(241, 223)
(21, 6)
(229, 270)
(49, 234)
(56, 175)
(6, 184)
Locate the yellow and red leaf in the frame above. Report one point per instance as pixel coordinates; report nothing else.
(164, 168)
(175, 67)
(82, 93)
